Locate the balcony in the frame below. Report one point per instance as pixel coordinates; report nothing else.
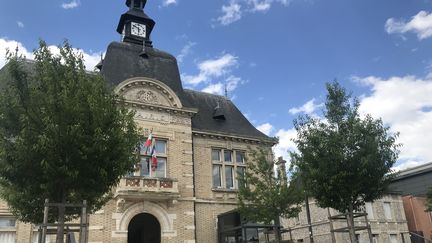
(138, 187)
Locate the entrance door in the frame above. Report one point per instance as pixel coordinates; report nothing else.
(144, 228)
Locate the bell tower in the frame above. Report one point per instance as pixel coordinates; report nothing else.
(135, 26)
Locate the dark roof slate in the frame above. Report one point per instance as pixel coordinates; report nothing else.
(414, 181)
(234, 123)
(123, 61)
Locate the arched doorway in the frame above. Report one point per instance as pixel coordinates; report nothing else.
(144, 228)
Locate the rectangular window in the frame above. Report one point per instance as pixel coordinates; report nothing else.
(239, 157)
(227, 156)
(216, 155)
(217, 176)
(7, 230)
(393, 238)
(160, 147)
(145, 166)
(161, 168)
(369, 210)
(146, 163)
(387, 210)
(7, 223)
(225, 171)
(229, 178)
(240, 172)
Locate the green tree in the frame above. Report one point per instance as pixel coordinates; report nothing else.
(63, 135)
(345, 159)
(264, 195)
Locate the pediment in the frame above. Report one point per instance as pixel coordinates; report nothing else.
(148, 91)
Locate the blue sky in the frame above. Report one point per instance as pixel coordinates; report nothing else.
(274, 56)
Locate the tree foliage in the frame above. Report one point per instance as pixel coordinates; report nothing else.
(345, 159)
(63, 135)
(264, 195)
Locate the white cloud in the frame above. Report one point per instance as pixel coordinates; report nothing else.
(406, 165)
(308, 108)
(185, 51)
(230, 13)
(212, 68)
(90, 59)
(265, 128)
(421, 24)
(231, 83)
(259, 6)
(169, 2)
(216, 76)
(71, 5)
(214, 89)
(405, 104)
(285, 143)
(6, 44)
(20, 24)
(235, 9)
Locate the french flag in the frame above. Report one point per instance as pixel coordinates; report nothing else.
(153, 155)
(147, 144)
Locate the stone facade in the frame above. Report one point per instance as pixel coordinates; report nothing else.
(184, 202)
(386, 217)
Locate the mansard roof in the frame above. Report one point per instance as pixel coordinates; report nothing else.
(234, 122)
(216, 114)
(123, 61)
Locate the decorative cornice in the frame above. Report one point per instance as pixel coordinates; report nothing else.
(172, 110)
(235, 138)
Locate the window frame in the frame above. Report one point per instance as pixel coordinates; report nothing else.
(369, 209)
(234, 164)
(9, 229)
(388, 214)
(158, 155)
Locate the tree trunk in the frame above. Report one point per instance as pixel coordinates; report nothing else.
(278, 237)
(61, 219)
(309, 220)
(350, 222)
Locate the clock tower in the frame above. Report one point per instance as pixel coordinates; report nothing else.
(134, 25)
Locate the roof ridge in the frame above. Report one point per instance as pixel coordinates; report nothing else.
(206, 93)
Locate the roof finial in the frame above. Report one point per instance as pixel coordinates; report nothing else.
(226, 91)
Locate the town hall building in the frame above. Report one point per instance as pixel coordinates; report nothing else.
(201, 144)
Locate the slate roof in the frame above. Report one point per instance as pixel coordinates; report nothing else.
(234, 123)
(414, 181)
(123, 61)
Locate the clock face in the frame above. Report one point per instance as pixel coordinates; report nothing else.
(138, 29)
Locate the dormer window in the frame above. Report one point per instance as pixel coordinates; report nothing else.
(218, 113)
